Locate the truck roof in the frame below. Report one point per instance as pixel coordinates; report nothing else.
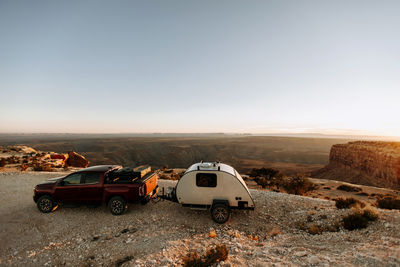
(99, 168)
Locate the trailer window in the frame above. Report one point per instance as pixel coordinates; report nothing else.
(206, 179)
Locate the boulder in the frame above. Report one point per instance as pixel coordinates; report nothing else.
(58, 156)
(76, 160)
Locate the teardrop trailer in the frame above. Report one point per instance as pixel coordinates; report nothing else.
(214, 186)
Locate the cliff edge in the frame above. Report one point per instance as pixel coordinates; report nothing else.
(364, 162)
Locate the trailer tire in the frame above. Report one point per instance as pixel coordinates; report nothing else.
(45, 204)
(220, 213)
(117, 205)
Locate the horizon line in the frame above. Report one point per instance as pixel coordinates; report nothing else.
(365, 135)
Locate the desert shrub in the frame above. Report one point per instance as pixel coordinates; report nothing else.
(217, 254)
(192, 260)
(3, 162)
(359, 219)
(212, 256)
(355, 221)
(297, 185)
(371, 214)
(327, 188)
(390, 203)
(265, 176)
(348, 188)
(346, 203)
(264, 172)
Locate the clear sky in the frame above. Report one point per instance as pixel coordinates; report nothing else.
(200, 66)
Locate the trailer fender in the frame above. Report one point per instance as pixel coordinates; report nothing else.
(221, 201)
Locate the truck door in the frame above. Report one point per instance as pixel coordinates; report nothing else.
(68, 189)
(92, 188)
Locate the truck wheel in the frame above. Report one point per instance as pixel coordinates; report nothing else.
(117, 205)
(220, 213)
(45, 204)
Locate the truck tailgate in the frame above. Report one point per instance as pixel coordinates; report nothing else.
(150, 182)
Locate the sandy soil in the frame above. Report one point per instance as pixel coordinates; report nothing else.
(161, 233)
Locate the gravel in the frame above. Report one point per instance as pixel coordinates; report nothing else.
(160, 233)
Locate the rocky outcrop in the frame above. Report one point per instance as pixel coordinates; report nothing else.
(25, 158)
(364, 162)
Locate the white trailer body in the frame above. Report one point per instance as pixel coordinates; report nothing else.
(205, 184)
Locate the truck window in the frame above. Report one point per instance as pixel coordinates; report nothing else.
(206, 179)
(73, 179)
(92, 178)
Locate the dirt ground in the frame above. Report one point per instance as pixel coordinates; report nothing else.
(159, 234)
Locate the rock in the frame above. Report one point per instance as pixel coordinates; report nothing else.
(58, 156)
(313, 260)
(212, 234)
(76, 160)
(301, 253)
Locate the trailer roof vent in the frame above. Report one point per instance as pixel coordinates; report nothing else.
(208, 166)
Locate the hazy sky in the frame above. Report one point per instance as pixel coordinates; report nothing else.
(200, 66)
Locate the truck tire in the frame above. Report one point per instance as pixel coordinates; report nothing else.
(220, 213)
(45, 204)
(117, 205)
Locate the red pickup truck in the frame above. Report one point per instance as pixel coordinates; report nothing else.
(95, 185)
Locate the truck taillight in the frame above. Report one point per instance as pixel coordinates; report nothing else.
(141, 190)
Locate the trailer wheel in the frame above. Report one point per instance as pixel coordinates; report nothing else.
(45, 204)
(220, 213)
(117, 205)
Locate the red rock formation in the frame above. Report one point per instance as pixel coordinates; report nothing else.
(58, 156)
(364, 162)
(76, 160)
